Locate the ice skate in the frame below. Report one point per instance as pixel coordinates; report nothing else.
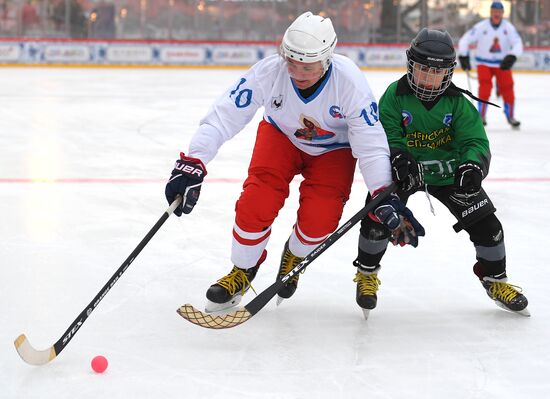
(288, 262)
(367, 286)
(505, 295)
(229, 290)
(514, 123)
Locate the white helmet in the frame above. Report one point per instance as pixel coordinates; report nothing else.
(310, 38)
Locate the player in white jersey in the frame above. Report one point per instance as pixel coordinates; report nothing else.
(319, 117)
(497, 47)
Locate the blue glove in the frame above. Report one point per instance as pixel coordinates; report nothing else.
(186, 180)
(404, 227)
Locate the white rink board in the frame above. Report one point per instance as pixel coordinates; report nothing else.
(183, 53)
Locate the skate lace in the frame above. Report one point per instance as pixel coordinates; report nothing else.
(368, 284)
(289, 262)
(504, 291)
(236, 280)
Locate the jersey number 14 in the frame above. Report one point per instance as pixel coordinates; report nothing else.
(371, 117)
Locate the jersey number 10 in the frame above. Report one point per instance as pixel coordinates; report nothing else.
(244, 98)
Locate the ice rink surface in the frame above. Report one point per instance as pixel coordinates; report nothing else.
(84, 158)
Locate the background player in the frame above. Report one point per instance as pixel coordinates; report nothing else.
(498, 45)
(306, 81)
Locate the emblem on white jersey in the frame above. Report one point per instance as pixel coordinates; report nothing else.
(495, 47)
(335, 112)
(448, 119)
(277, 102)
(311, 130)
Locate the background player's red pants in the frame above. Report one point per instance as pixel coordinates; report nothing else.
(275, 162)
(504, 81)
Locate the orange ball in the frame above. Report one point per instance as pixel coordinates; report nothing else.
(99, 364)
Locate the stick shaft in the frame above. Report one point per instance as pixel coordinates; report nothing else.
(265, 296)
(468, 79)
(27, 351)
(77, 323)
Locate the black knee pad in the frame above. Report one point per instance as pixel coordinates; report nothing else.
(373, 241)
(374, 231)
(488, 238)
(487, 232)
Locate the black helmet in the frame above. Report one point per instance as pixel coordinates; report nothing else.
(432, 51)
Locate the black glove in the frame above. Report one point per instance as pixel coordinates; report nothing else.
(405, 171)
(465, 62)
(508, 62)
(404, 227)
(186, 180)
(468, 177)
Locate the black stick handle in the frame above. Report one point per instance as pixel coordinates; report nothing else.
(77, 323)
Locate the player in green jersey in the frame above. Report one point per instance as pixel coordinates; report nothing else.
(438, 144)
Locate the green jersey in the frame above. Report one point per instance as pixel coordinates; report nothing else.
(441, 135)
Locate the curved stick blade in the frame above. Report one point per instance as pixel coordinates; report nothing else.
(31, 355)
(195, 316)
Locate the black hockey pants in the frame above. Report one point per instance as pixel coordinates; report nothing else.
(478, 220)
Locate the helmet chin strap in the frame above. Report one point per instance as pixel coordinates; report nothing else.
(326, 66)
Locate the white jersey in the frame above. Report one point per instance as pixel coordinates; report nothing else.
(491, 43)
(342, 113)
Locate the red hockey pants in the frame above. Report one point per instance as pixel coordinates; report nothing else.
(505, 84)
(275, 162)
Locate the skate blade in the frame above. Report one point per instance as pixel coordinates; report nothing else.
(213, 307)
(525, 312)
(279, 300)
(366, 313)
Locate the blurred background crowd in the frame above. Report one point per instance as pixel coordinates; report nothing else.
(367, 21)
